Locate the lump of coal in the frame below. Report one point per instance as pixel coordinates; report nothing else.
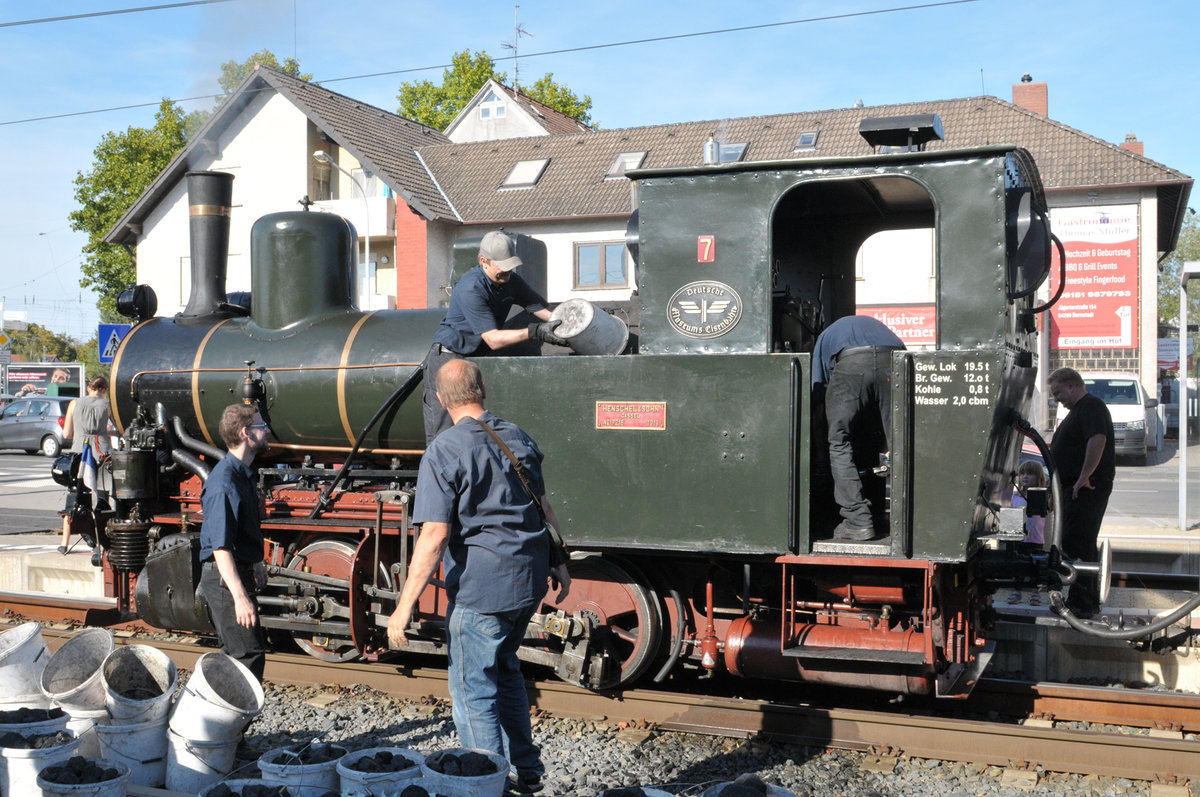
(25, 715)
(382, 761)
(413, 790)
(36, 741)
(78, 769)
(463, 765)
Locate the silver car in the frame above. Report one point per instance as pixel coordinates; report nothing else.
(33, 424)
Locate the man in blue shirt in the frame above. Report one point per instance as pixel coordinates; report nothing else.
(231, 540)
(852, 372)
(472, 327)
(479, 521)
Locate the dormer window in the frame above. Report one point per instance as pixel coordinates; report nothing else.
(525, 174)
(807, 140)
(732, 153)
(492, 106)
(623, 163)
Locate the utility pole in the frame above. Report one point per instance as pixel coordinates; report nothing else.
(518, 32)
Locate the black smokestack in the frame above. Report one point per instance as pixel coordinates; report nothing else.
(209, 196)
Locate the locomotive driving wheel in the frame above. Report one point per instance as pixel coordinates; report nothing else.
(328, 557)
(628, 624)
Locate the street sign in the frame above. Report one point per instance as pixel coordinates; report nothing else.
(5, 356)
(109, 339)
(4, 339)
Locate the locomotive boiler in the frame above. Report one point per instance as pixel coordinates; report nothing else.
(687, 475)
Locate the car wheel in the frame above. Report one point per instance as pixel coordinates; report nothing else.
(50, 446)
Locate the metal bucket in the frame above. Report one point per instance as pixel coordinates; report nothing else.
(83, 724)
(588, 329)
(193, 765)
(219, 700)
(142, 748)
(357, 782)
(19, 766)
(284, 767)
(113, 787)
(139, 682)
(492, 785)
(72, 676)
(23, 657)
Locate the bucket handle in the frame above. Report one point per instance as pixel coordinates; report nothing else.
(188, 746)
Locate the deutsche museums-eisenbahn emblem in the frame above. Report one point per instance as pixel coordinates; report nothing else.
(704, 309)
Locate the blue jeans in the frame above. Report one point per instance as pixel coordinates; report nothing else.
(491, 708)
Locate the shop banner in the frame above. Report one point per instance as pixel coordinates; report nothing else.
(915, 324)
(1168, 354)
(1099, 306)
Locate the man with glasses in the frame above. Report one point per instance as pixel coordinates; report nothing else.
(231, 540)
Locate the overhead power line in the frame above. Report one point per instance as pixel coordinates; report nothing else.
(108, 13)
(584, 48)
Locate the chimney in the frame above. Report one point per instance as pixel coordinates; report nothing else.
(1133, 145)
(1031, 96)
(210, 195)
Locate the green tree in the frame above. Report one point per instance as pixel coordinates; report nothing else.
(233, 73)
(36, 343)
(437, 105)
(1187, 250)
(126, 163)
(561, 98)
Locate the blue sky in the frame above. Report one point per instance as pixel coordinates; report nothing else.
(1113, 67)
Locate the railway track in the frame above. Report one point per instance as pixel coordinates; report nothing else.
(1158, 753)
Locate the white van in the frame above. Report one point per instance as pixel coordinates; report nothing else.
(1132, 410)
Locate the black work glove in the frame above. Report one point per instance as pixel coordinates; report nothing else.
(544, 332)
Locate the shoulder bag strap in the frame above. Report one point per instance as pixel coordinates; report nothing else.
(555, 537)
(516, 466)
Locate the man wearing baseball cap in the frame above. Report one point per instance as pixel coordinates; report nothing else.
(473, 325)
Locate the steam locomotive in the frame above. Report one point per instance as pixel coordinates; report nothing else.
(686, 472)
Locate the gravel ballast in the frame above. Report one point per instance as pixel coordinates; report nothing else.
(585, 757)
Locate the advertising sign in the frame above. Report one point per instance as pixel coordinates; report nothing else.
(1168, 354)
(1099, 306)
(915, 324)
(53, 379)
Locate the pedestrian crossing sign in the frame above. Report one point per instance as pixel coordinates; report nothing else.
(109, 340)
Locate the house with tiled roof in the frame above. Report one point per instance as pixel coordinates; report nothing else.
(265, 134)
(497, 111)
(565, 191)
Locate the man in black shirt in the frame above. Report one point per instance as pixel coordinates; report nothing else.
(1083, 452)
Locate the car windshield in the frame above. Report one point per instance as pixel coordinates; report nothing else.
(1114, 391)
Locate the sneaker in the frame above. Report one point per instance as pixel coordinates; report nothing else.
(847, 533)
(525, 782)
(62, 549)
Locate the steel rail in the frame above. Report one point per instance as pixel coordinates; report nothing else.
(1143, 757)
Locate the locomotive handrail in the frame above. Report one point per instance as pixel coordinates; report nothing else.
(1062, 276)
(133, 379)
(398, 397)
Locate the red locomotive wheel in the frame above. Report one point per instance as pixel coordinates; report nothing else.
(625, 610)
(329, 557)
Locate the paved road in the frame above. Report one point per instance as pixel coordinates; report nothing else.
(29, 498)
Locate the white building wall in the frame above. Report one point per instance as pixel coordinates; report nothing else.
(265, 150)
